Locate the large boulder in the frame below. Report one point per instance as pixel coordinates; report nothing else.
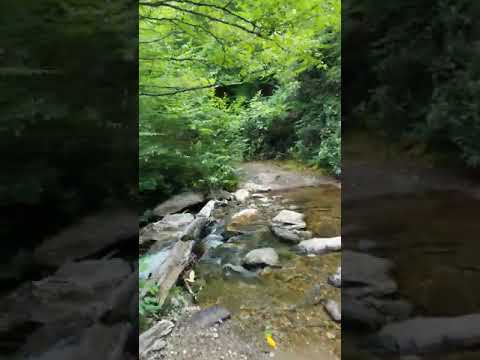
(320, 246)
(178, 203)
(171, 227)
(261, 257)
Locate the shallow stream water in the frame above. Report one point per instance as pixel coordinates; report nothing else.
(286, 300)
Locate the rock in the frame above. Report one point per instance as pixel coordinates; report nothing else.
(242, 218)
(238, 269)
(370, 275)
(178, 203)
(257, 188)
(423, 335)
(207, 210)
(168, 271)
(80, 290)
(258, 196)
(261, 257)
(207, 317)
(242, 195)
(336, 279)
(333, 309)
(358, 312)
(88, 237)
(293, 235)
(152, 339)
(220, 195)
(171, 227)
(194, 230)
(320, 246)
(96, 342)
(291, 218)
(372, 313)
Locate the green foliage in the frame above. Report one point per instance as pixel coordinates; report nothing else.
(426, 72)
(200, 63)
(302, 118)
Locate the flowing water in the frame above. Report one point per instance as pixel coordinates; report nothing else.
(286, 300)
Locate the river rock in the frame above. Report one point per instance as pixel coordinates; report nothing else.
(152, 339)
(261, 257)
(241, 195)
(178, 203)
(422, 335)
(207, 210)
(370, 275)
(171, 227)
(207, 317)
(88, 237)
(242, 218)
(333, 309)
(320, 246)
(290, 218)
(372, 313)
(220, 195)
(290, 235)
(238, 269)
(336, 279)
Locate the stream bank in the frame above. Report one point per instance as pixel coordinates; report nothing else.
(260, 273)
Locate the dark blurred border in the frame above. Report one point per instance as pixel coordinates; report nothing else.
(68, 179)
(410, 180)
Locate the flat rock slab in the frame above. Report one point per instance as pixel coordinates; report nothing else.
(319, 246)
(178, 203)
(149, 340)
(91, 235)
(423, 335)
(171, 227)
(261, 257)
(210, 316)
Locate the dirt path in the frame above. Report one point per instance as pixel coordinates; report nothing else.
(278, 176)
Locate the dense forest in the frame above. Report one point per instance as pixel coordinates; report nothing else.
(412, 73)
(222, 82)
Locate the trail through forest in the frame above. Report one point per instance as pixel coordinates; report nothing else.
(267, 264)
